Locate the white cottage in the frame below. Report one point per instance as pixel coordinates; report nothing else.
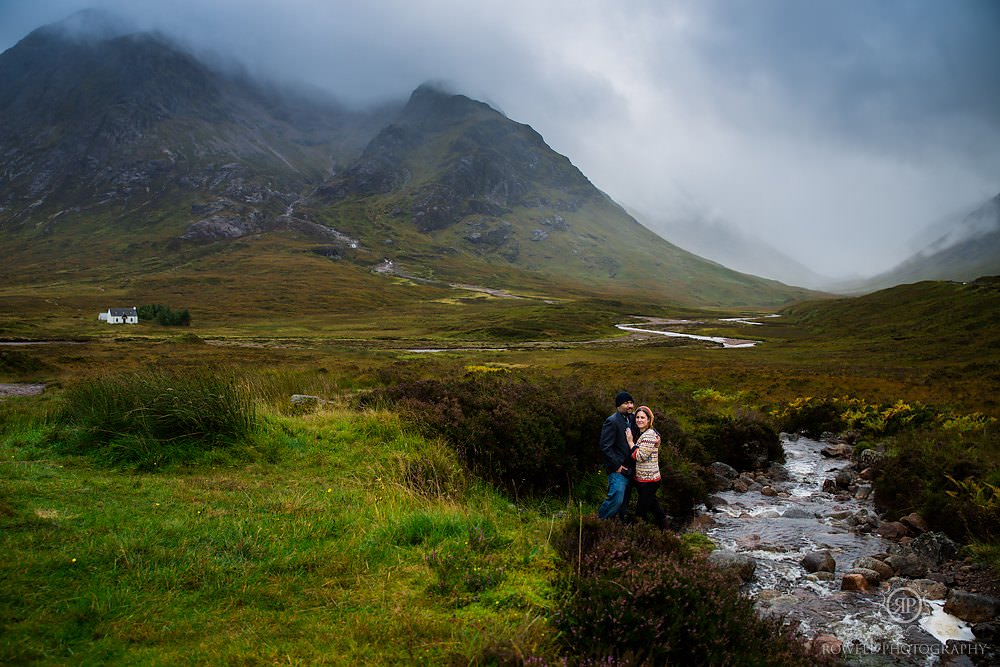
(120, 316)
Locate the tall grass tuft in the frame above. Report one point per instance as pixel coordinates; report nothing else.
(153, 418)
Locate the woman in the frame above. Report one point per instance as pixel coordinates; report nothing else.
(645, 451)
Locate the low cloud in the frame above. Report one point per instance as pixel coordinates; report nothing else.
(834, 130)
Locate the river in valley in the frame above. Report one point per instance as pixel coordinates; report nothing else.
(778, 531)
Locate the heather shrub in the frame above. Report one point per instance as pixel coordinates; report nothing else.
(810, 416)
(635, 595)
(947, 477)
(743, 442)
(525, 435)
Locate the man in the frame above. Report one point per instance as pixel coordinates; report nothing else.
(618, 457)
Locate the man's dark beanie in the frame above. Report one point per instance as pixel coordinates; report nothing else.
(622, 397)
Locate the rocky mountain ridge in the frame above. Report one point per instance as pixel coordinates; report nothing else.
(125, 148)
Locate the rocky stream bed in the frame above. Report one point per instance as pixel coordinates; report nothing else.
(811, 549)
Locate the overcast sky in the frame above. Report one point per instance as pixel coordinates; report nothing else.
(836, 130)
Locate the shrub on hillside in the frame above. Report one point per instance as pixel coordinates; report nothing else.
(810, 416)
(946, 477)
(150, 418)
(742, 442)
(525, 435)
(635, 595)
(164, 315)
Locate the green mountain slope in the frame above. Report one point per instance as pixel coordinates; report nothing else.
(129, 168)
(946, 321)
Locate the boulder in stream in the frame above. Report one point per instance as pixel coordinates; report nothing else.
(907, 564)
(819, 561)
(873, 577)
(972, 607)
(724, 469)
(837, 450)
(855, 581)
(869, 563)
(741, 565)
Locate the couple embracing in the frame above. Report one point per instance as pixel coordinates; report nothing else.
(630, 446)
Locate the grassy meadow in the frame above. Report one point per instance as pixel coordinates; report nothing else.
(163, 501)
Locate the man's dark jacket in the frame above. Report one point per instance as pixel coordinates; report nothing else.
(614, 446)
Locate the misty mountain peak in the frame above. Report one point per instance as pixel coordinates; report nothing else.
(431, 103)
(88, 25)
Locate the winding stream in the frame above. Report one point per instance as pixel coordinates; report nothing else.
(778, 531)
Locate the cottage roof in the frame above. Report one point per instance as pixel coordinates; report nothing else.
(123, 312)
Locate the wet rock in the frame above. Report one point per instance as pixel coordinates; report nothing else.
(960, 654)
(756, 486)
(928, 589)
(739, 486)
(781, 606)
(714, 501)
(869, 563)
(819, 561)
(748, 542)
(741, 565)
(821, 576)
(893, 530)
(867, 474)
(844, 479)
(825, 644)
(907, 565)
(721, 483)
(768, 491)
(946, 578)
(915, 523)
(863, 521)
(747, 479)
(972, 607)
(871, 576)
(863, 492)
(798, 513)
(936, 548)
(987, 632)
(854, 581)
(837, 450)
(829, 486)
(724, 469)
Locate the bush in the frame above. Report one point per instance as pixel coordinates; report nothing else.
(742, 442)
(164, 315)
(813, 417)
(152, 418)
(946, 477)
(525, 435)
(636, 595)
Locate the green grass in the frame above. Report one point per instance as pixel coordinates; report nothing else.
(327, 554)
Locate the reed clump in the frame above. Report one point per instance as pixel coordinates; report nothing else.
(153, 418)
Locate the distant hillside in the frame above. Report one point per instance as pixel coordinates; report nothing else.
(721, 242)
(966, 248)
(125, 161)
(931, 320)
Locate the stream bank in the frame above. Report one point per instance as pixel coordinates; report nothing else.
(813, 551)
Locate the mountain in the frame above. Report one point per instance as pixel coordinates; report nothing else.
(128, 164)
(966, 247)
(722, 242)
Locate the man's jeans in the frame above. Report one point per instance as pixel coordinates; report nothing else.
(612, 505)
